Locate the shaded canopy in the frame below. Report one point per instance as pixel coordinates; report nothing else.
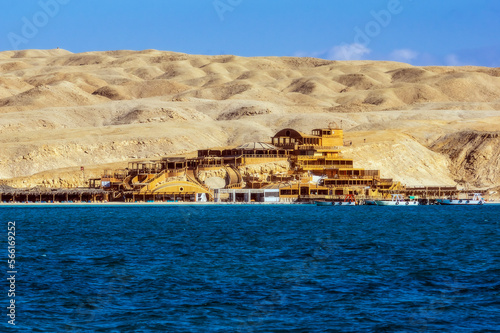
(37, 190)
(257, 146)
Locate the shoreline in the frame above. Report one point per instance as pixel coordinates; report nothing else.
(87, 204)
(139, 204)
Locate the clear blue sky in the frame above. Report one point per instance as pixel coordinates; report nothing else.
(421, 32)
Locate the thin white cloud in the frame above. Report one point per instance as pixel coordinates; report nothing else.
(353, 51)
(339, 52)
(404, 55)
(452, 60)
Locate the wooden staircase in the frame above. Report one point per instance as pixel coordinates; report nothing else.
(234, 178)
(153, 182)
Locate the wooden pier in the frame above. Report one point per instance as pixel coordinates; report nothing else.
(42, 194)
(426, 195)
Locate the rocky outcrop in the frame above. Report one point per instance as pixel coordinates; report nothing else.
(213, 178)
(263, 170)
(474, 156)
(205, 174)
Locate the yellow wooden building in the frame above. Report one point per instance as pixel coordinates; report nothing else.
(317, 171)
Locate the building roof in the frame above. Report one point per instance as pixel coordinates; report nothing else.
(257, 146)
(289, 132)
(173, 159)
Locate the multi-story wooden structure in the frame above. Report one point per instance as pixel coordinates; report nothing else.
(320, 155)
(317, 170)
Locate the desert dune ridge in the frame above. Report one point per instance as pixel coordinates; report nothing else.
(419, 125)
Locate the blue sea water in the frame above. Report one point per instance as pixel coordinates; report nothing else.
(283, 268)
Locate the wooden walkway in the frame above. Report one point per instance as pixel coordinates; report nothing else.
(43, 194)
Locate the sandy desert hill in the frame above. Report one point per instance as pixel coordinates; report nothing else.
(420, 125)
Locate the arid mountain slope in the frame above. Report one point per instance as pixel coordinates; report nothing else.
(63, 110)
(475, 156)
(36, 79)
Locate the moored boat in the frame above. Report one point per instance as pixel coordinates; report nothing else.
(324, 203)
(476, 200)
(349, 200)
(396, 200)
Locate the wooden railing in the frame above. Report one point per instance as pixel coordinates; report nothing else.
(152, 183)
(322, 167)
(265, 156)
(354, 177)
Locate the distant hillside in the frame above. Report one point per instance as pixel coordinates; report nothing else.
(60, 110)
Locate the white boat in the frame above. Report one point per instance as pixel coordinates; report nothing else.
(397, 200)
(349, 200)
(345, 203)
(476, 200)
